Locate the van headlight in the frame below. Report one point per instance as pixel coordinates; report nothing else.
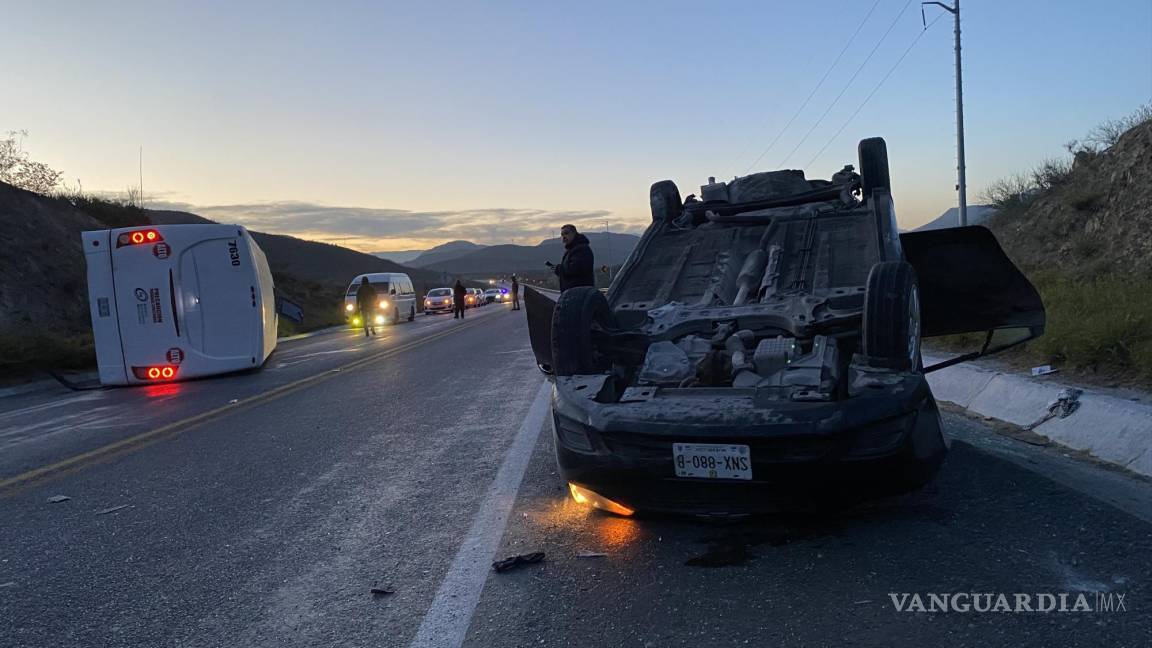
(383, 303)
(348, 307)
(379, 319)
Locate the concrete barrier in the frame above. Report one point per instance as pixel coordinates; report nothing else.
(1111, 428)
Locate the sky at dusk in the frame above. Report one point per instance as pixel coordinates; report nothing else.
(391, 126)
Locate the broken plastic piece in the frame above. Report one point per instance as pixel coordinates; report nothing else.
(56, 499)
(383, 590)
(518, 561)
(591, 554)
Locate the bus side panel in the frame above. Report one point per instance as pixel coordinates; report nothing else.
(102, 301)
(266, 293)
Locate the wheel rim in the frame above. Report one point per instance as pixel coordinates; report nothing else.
(914, 326)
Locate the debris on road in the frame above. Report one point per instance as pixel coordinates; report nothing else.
(1065, 404)
(383, 590)
(8, 584)
(517, 561)
(591, 554)
(113, 509)
(56, 499)
(1043, 370)
(234, 401)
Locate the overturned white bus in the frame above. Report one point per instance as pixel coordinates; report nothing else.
(173, 302)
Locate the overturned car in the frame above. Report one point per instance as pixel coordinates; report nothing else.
(760, 348)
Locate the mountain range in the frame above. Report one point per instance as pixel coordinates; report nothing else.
(467, 258)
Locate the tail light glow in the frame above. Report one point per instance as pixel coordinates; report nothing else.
(138, 237)
(155, 373)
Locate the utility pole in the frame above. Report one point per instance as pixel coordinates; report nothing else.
(961, 185)
(608, 244)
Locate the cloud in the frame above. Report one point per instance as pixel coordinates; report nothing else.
(371, 229)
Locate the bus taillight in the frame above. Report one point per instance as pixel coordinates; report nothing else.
(138, 237)
(160, 372)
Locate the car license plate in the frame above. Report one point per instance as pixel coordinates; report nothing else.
(712, 460)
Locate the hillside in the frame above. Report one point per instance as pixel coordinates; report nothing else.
(504, 259)
(444, 252)
(1082, 231)
(43, 290)
(1095, 218)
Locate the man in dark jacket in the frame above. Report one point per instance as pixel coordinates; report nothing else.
(576, 268)
(458, 293)
(365, 304)
(515, 293)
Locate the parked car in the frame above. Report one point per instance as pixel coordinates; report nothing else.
(438, 300)
(396, 298)
(760, 348)
(474, 297)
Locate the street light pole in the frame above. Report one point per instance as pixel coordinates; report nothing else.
(608, 245)
(961, 185)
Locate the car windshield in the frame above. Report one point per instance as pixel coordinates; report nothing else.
(440, 292)
(379, 287)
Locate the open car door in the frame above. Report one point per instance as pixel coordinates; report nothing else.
(539, 309)
(968, 285)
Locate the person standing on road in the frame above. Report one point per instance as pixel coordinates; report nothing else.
(365, 299)
(515, 293)
(576, 268)
(458, 293)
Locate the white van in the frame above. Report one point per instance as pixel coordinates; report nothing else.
(395, 298)
(172, 302)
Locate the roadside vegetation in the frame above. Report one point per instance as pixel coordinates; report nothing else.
(1080, 226)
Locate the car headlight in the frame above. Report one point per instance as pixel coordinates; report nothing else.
(355, 321)
(349, 307)
(383, 303)
(379, 319)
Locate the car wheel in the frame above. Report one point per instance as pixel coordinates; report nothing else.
(891, 330)
(873, 153)
(664, 197)
(412, 314)
(576, 311)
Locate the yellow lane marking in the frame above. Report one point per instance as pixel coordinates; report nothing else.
(138, 440)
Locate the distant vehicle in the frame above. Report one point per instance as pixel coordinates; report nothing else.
(438, 300)
(496, 295)
(395, 299)
(760, 348)
(173, 302)
(473, 297)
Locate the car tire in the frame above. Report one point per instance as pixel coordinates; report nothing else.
(891, 327)
(412, 314)
(664, 198)
(576, 311)
(873, 154)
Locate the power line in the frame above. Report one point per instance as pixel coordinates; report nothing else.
(874, 90)
(846, 86)
(819, 84)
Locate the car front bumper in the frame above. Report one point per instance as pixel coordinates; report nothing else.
(879, 443)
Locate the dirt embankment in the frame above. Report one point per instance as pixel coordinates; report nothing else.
(1083, 234)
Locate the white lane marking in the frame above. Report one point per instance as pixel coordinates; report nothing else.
(67, 400)
(447, 620)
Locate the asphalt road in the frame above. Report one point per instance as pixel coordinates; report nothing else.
(396, 463)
